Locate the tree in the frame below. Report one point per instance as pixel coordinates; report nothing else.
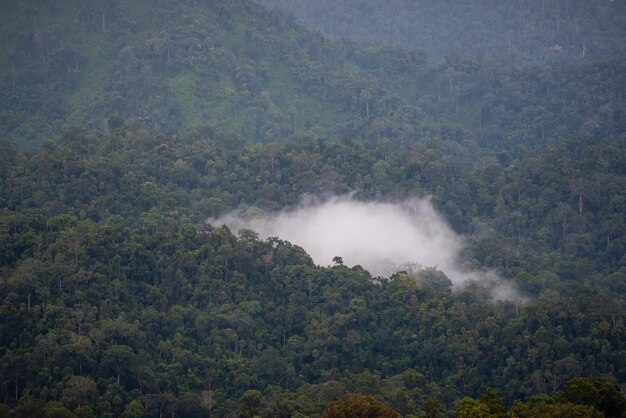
(359, 406)
(599, 392)
(251, 403)
(489, 405)
(133, 410)
(545, 407)
(79, 391)
(119, 358)
(12, 370)
(432, 408)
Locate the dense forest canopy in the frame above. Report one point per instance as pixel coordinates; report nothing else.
(113, 286)
(530, 30)
(126, 125)
(238, 67)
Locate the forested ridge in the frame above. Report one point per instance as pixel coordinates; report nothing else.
(116, 296)
(528, 31)
(126, 125)
(240, 68)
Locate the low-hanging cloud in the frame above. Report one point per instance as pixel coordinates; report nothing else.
(381, 237)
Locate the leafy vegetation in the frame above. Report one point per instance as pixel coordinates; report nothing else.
(237, 67)
(230, 65)
(113, 286)
(532, 30)
(128, 124)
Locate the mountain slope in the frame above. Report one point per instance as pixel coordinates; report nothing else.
(177, 65)
(530, 30)
(116, 299)
(239, 68)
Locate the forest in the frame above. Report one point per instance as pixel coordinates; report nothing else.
(126, 125)
(528, 31)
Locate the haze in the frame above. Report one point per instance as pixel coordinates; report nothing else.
(381, 237)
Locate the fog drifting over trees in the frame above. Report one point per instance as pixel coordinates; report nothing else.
(382, 237)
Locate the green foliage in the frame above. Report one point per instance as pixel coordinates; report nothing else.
(601, 393)
(231, 65)
(356, 405)
(251, 403)
(241, 68)
(528, 30)
(117, 296)
(490, 405)
(117, 299)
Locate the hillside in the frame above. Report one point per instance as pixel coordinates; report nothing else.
(530, 31)
(238, 68)
(118, 300)
(137, 137)
(230, 65)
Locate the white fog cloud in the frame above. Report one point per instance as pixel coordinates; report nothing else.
(381, 237)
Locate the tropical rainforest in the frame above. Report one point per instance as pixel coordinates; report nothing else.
(125, 125)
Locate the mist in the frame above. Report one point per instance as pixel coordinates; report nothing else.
(381, 237)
